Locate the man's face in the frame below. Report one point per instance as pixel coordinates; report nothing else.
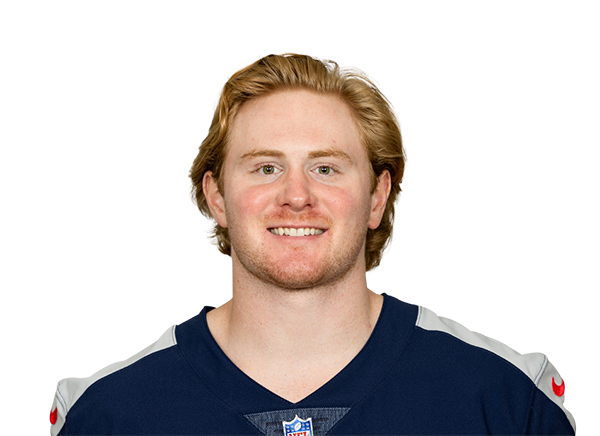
(297, 190)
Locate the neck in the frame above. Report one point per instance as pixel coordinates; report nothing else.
(263, 324)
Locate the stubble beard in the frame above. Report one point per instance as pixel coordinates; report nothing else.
(299, 271)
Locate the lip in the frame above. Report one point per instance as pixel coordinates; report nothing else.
(299, 238)
(297, 226)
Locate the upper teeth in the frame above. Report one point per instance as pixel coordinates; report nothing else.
(290, 231)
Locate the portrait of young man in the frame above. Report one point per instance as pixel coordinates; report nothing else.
(300, 171)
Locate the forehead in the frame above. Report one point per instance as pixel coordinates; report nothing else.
(296, 120)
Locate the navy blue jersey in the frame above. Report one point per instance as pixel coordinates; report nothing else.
(418, 374)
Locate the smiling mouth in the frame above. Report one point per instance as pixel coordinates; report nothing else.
(291, 231)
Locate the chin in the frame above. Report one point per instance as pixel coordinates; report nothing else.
(300, 275)
(295, 268)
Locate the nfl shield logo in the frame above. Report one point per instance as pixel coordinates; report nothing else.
(298, 427)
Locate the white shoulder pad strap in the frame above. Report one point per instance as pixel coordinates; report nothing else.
(69, 390)
(535, 365)
(551, 383)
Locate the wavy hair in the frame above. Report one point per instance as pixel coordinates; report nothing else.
(376, 123)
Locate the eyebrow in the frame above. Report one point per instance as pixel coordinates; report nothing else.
(261, 152)
(328, 152)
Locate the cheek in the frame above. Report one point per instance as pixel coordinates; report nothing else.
(347, 204)
(247, 201)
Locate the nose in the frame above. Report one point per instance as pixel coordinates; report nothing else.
(296, 192)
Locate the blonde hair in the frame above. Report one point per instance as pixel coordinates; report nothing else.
(376, 123)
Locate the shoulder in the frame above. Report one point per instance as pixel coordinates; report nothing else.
(70, 391)
(533, 368)
(531, 365)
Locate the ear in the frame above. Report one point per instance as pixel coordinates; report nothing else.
(214, 199)
(379, 199)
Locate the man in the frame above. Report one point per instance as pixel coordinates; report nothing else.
(300, 171)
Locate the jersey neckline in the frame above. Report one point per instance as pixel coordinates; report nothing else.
(353, 383)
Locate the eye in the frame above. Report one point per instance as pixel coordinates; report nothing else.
(324, 170)
(268, 170)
